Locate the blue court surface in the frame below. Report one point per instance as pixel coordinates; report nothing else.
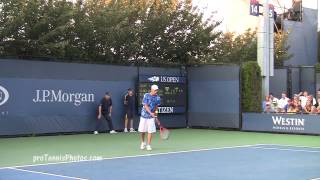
(258, 162)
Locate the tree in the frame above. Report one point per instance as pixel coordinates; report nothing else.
(32, 28)
(108, 31)
(232, 48)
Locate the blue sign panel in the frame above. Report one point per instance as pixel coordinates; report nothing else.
(172, 91)
(284, 123)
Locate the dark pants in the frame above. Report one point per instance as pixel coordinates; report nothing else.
(108, 119)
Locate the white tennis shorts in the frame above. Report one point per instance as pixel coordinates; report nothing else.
(147, 125)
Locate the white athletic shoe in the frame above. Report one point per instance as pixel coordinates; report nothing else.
(95, 132)
(149, 147)
(132, 130)
(125, 130)
(113, 132)
(143, 146)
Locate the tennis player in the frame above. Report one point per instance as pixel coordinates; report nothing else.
(150, 103)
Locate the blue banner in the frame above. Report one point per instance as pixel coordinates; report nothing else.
(34, 106)
(284, 123)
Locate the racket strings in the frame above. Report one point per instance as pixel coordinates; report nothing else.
(164, 133)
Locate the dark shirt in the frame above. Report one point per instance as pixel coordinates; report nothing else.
(105, 105)
(129, 102)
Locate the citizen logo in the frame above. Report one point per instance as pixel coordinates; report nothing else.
(4, 95)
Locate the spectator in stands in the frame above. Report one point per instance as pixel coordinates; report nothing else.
(291, 108)
(266, 103)
(313, 110)
(317, 105)
(267, 108)
(129, 104)
(308, 107)
(303, 98)
(318, 94)
(297, 103)
(283, 102)
(105, 110)
(274, 102)
(312, 99)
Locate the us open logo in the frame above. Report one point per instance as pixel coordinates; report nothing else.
(4, 95)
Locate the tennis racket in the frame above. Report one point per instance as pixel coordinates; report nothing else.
(164, 133)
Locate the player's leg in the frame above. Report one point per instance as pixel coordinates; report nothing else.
(151, 130)
(109, 121)
(97, 126)
(130, 118)
(126, 122)
(142, 129)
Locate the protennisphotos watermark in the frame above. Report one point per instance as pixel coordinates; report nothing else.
(47, 158)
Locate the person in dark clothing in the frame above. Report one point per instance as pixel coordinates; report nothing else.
(129, 104)
(105, 110)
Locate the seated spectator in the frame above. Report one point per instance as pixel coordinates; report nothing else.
(308, 107)
(291, 108)
(317, 105)
(283, 102)
(274, 102)
(297, 103)
(265, 103)
(314, 110)
(303, 98)
(318, 94)
(268, 109)
(312, 99)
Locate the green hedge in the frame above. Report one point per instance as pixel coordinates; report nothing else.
(317, 66)
(251, 87)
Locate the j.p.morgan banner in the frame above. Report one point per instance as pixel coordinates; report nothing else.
(284, 123)
(48, 105)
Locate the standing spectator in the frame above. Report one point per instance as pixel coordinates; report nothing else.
(129, 104)
(105, 110)
(283, 102)
(150, 102)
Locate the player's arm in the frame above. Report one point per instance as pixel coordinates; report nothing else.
(147, 107)
(110, 108)
(99, 111)
(125, 101)
(156, 114)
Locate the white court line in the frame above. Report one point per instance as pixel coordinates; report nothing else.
(48, 174)
(133, 156)
(286, 149)
(315, 179)
(288, 146)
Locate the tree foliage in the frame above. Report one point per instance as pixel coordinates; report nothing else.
(251, 84)
(107, 31)
(233, 48)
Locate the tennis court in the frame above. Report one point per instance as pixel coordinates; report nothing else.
(188, 154)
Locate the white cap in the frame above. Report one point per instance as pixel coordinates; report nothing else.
(154, 87)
